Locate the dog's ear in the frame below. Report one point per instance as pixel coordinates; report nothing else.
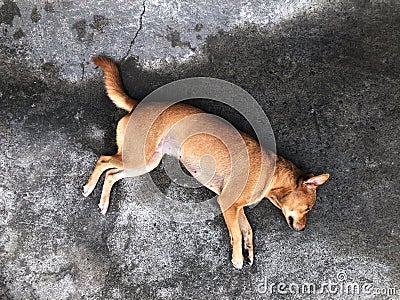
(315, 181)
(276, 195)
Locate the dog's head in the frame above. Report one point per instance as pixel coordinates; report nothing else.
(296, 202)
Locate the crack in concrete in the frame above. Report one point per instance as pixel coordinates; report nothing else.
(83, 70)
(137, 32)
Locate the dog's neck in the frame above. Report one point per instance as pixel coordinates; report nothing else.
(286, 178)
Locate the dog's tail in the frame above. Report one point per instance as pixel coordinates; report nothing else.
(113, 82)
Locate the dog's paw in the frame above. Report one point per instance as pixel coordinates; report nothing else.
(248, 254)
(237, 264)
(103, 208)
(87, 190)
(249, 260)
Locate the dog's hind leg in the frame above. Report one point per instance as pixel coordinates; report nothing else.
(104, 163)
(247, 233)
(112, 176)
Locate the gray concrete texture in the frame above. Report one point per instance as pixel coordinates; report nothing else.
(326, 74)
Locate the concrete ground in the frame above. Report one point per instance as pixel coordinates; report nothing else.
(326, 73)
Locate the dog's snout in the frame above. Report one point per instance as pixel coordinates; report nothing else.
(291, 221)
(294, 224)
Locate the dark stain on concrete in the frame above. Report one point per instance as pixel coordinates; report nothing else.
(81, 28)
(35, 14)
(99, 23)
(48, 7)
(198, 27)
(174, 37)
(8, 11)
(18, 34)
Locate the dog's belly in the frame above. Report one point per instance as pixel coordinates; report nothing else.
(199, 162)
(207, 159)
(206, 176)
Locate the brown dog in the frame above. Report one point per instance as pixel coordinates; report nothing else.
(290, 189)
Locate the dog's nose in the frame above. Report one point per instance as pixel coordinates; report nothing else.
(291, 221)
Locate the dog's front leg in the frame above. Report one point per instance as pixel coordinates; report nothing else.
(231, 216)
(247, 233)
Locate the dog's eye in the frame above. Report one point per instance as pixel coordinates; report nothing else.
(308, 209)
